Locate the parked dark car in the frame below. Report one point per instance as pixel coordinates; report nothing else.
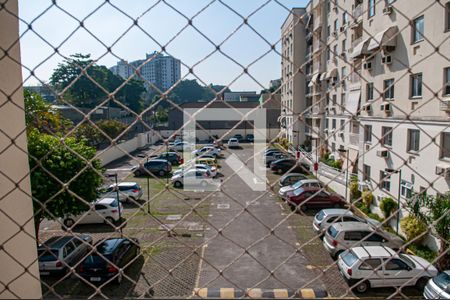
(109, 256)
(304, 198)
(291, 178)
(160, 167)
(171, 157)
(250, 138)
(239, 137)
(288, 164)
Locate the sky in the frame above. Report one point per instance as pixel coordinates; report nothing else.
(105, 26)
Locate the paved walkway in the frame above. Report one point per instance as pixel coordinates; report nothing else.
(271, 260)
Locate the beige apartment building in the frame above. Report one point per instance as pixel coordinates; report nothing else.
(376, 87)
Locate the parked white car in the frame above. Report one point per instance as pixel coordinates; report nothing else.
(342, 236)
(207, 150)
(105, 210)
(438, 287)
(376, 266)
(203, 178)
(185, 168)
(326, 217)
(182, 146)
(127, 191)
(306, 183)
(233, 143)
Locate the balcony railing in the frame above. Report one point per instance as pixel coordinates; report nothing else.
(354, 139)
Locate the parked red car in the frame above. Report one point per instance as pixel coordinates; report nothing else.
(303, 198)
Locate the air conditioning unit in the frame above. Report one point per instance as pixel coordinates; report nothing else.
(387, 59)
(367, 108)
(367, 147)
(443, 171)
(334, 33)
(388, 10)
(342, 29)
(367, 65)
(385, 107)
(383, 153)
(325, 130)
(341, 134)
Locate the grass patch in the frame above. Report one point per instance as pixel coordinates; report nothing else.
(151, 251)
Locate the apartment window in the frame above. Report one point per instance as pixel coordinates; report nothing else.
(334, 99)
(406, 189)
(336, 25)
(369, 91)
(328, 54)
(367, 133)
(335, 50)
(334, 123)
(328, 6)
(389, 89)
(445, 145)
(328, 31)
(447, 16)
(418, 29)
(386, 136)
(342, 125)
(389, 2)
(416, 85)
(344, 73)
(447, 81)
(344, 47)
(371, 10)
(327, 123)
(385, 181)
(344, 18)
(413, 140)
(343, 102)
(366, 173)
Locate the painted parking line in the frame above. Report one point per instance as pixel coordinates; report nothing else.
(232, 293)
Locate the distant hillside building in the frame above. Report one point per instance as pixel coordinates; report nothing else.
(160, 70)
(44, 91)
(240, 96)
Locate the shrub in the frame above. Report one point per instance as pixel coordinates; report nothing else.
(362, 207)
(387, 206)
(367, 198)
(337, 164)
(413, 227)
(423, 251)
(355, 193)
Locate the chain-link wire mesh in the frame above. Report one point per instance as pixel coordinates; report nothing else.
(387, 62)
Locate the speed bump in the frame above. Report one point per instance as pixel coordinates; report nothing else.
(255, 293)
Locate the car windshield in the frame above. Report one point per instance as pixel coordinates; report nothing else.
(349, 258)
(443, 281)
(320, 215)
(297, 184)
(298, 191)
(407, 260)
(46, 255)
(115, 203)
(108, 246)
(333, 231)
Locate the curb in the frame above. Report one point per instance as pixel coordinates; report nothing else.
(232, 293)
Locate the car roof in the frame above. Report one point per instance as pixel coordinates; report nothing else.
(124, 184)
(292, 175)
(110, 244)
(57, 241)
(347, 226)
(233, 138)
(107, 200)
(158, 160)
(337, 212)
(373, 251)
(309, 181)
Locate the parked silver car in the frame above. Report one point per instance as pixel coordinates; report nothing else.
(128, 191)
(59, 252)
(324, 218)
(342, 236)
(438, 287)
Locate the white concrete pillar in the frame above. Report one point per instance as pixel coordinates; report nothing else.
(19, 275)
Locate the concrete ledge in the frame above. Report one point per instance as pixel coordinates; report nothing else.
(232, 293)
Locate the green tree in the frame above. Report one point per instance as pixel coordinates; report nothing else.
(112, 128)
(53, 164)
(90, 134)
(40, 115)
(86, 89)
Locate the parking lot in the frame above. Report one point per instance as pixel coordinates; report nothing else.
(235, 237)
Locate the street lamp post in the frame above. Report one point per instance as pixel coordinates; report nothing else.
(346, 151)
(148, 191)
(399, 172)
(118, 200)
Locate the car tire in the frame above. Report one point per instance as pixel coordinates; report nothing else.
(68, 222)
(110, 220)
(421, 283)
(280, 171)
(162, 173)
(177, 184)
(138, 173)
(336, 205)
(362, 287)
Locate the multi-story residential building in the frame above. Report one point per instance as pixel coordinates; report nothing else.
(160, 70)
(376, 87)
(239, 96)
(293, 77)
